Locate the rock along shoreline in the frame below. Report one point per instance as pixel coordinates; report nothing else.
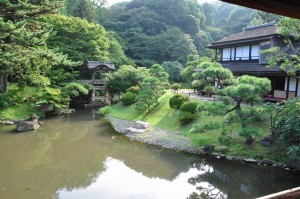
(176, 141)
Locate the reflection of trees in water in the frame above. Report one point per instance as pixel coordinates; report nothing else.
(206, 190)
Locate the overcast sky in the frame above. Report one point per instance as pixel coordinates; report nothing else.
(110, 2)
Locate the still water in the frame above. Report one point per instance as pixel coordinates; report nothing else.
(77, 156)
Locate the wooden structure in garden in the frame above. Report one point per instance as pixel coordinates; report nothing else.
(240, 53)
(99, 92)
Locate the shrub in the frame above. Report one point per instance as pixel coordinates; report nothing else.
(185, 117)
(248, 133)
(210, 90)
(128, 98)
(177, 100)
(190, 107)
(176, 86)
(202, 128)
(133, 89)
(104, 110)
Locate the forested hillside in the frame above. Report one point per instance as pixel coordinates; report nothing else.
(154, 31)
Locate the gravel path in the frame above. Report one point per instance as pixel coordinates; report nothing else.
(156, 136)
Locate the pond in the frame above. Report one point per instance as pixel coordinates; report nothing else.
(78, 156)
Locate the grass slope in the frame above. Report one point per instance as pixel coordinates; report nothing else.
(165, 117)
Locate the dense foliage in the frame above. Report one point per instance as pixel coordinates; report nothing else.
(128, 98)
(177, 100)
(158, 31)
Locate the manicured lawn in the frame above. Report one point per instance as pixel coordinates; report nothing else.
(165, 117)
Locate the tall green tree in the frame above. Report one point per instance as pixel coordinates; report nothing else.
(83, 9)
(23, 48)
(78, 38)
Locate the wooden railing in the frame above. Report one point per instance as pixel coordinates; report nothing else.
(288, 194)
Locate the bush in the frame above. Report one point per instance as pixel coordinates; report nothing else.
(104, 110)
(202, 128)
(190, 107)
(248, 133)
(210, 90)
(177, 100)
(128, 98)
(185, 117)
(176, 86)
(133, 89)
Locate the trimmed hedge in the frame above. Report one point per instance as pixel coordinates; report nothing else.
(128, 98)
(190, 107)
(177, 100)
(185, 117)
(133, 89)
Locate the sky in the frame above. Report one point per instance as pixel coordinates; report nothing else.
(110, 2)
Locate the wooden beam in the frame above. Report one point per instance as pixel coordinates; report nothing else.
(297, 82)
(281, 7)
(288, 194)
(288, 87)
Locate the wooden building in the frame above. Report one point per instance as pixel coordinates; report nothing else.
(99, 93)
(240, 53)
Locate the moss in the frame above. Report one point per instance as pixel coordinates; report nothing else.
(21, 111)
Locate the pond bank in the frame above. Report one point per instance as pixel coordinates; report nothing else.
(176, 141)
(156, 136)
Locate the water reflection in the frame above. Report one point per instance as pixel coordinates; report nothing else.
(120, 181)
(78, 156)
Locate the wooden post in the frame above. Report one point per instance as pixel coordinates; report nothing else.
(250, 53)
(296, 91)
(93, 95)
(235, 53)
(216, 55)
(287, 87)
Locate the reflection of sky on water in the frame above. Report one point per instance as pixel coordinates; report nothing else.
(120, 181)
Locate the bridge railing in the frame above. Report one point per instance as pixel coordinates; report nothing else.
(90, 81)
(287, 194)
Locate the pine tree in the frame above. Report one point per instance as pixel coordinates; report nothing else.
(84, 9)
(23, 49)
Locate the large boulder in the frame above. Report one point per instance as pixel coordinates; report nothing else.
(45, 108)
(138, 127)
(141, 125)
(134, 130)
(27, 125)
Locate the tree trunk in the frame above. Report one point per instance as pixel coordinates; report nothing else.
(3, 83)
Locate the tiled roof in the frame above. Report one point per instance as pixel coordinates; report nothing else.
(95, 64)
(259, 31)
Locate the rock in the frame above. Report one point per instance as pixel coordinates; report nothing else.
(208, 148)
(134, 131)
(222, 149)
(27, 125)
(252, 161)
(41, 123)
(268, 162)
(266, 141)
(44, 108)
(141, 125)
(229, 158)
(9, 122)
(34, 116)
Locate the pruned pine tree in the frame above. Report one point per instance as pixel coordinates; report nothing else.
(23, 48)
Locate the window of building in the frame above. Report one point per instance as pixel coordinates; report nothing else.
(242, 52)
(255, 52)
(226, 54)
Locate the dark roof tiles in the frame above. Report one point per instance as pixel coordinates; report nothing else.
(95, 64)
(252, 32)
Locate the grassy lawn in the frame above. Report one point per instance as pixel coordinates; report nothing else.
(165, 117)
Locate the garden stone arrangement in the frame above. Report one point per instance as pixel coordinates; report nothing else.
(141, 131)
